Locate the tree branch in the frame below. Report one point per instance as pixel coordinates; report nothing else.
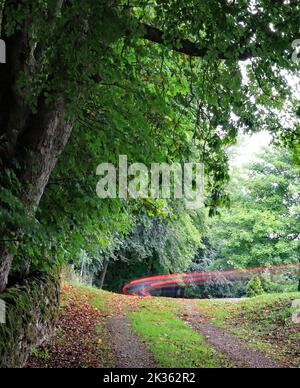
(153, 34)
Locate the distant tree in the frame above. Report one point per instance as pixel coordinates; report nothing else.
(261, 229)
(156, 246)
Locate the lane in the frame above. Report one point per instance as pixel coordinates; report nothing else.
(149, 285)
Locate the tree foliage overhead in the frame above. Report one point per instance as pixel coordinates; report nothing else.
(160, 82)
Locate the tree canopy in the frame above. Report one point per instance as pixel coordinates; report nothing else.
(261, 229)
(163, 81)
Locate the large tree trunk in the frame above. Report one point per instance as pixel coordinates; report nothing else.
(13, 116)
(37, 150)
(13, 111)
(5, 265)
(40, 146)
(34, 140)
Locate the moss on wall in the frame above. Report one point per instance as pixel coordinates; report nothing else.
(31, 315)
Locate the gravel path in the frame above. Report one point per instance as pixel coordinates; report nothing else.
(224, 342)
(129, 350)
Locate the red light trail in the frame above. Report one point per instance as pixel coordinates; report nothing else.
(144, 286)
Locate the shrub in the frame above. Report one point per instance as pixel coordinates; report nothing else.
(254, 287)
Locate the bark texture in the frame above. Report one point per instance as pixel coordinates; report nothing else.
(6, 260)
(37, 150)
(40, 146)
(34, 140)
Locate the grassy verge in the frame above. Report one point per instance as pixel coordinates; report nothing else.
(264, 322)
(172, 342)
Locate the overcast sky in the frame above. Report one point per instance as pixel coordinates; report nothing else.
(249, 147)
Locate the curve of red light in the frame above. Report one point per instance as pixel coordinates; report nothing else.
(144, 286)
